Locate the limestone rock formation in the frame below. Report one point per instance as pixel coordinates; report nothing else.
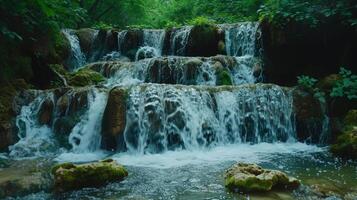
(243, 177)
(69, 176)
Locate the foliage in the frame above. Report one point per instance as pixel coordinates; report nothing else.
(347, 86)
(201, 21)
(312, 13)
(309, 84)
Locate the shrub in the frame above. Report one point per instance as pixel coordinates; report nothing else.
(347, 86)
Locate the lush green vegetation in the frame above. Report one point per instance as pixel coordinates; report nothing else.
(29, 29)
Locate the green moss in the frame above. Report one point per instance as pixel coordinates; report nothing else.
(248, 185)
(63, 165)
(351, 119)
(223, 77)
(346, 146)
(72, 177)
(85, 77)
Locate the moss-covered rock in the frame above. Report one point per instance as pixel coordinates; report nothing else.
(243, 177)
(346, 144)
(223, 77)
(22, 177)
(85, 77)
(71, 177)
(114, 119)
(350, 119)
(8, 93)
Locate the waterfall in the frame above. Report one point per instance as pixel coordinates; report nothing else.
(179, 39)
(155, 39)
(85, 136)
(241, 42)
(241, 39)
(121, 39)
(35, 139)
(166, 117)
(77, 58)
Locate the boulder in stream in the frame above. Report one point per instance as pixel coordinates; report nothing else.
(70, 176)
(244, 177)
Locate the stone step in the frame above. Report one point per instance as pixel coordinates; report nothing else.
(216, 70)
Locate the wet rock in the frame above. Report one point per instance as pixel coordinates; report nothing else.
(105, 42)
(245, 177)
(346, 144)
(45, 112)
(69, 109)
(23, 177)
(86, 38)
(85, 77)
(69, 176)
(309, 114)
(114, 119)
(203, 41)
(13, 96)
(132, 41)
(296, 49)
(146, 52)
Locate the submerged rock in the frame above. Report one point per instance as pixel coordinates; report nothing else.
(69, 176)
(22, 177)
(245, 177)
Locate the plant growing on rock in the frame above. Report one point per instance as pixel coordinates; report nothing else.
(309, 84)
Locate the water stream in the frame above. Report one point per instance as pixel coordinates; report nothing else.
(182, 130)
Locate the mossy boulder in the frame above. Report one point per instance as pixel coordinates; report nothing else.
(8, 111)
(223, 77)
(114, 119)
(346, 144)
(69, 176)
(243, 177)
(85, 77)
(203, 41)
(350, 119)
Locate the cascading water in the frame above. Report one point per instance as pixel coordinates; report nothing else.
(77, 58)
(155, 39)
(35, 139)
(85, 136)
(241, 42)
(153, 43)
(179, 40)
(121, 39)
(241, 39)
(187, 126)
(163, 117)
